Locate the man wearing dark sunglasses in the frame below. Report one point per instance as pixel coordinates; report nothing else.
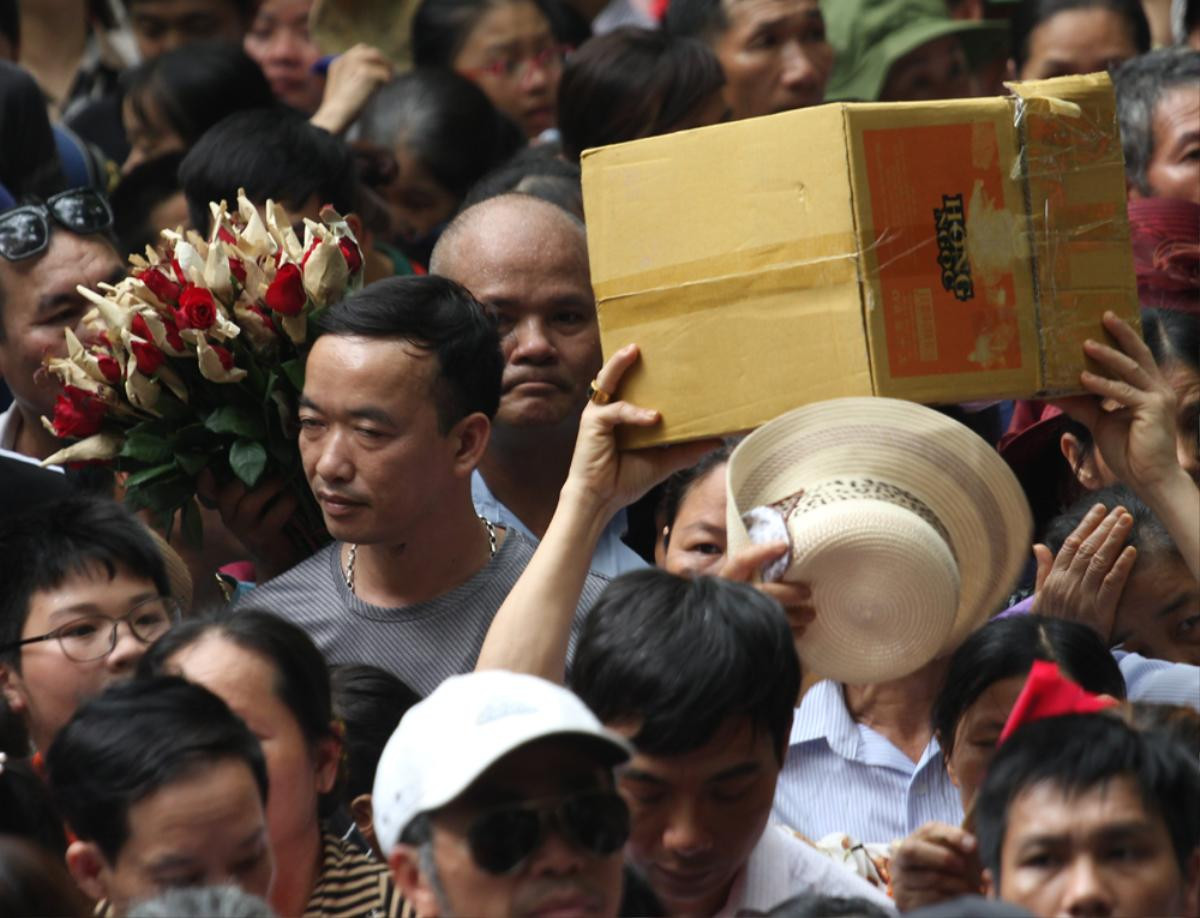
(495, 797)
(47, 249)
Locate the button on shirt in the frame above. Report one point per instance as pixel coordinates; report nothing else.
(842, 776)
(612, 558)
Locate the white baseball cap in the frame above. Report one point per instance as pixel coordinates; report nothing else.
(464, 727)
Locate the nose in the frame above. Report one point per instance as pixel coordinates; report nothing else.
(556, 856)
(800, 71)
(685, 833)
(284, 45)
(1085, 893)
(531, 342)
(128, 650)
(333, 458)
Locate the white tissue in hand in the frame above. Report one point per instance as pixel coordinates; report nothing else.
(767, 524)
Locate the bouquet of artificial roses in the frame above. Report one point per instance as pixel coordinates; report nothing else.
(195, 360)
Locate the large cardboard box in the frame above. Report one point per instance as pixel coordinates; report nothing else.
(940, 252)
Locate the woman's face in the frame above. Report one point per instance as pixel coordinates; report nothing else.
(696, 541)
(297, 774)
(1084, 40)
(417, 201)
(279, 43)
(1158, 615)
(515, 59)
(977, 734)
(149, 133)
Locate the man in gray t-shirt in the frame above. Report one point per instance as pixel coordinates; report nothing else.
(399, 393)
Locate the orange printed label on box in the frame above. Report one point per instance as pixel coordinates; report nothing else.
(945, 244)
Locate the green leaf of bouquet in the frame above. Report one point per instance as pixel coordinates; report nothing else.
(163, 495)
(137, 479)
(248, 459)
(191, 524)
(294, 370)
(146, 447)
(234, 419)
(192, 463)
(171, 407)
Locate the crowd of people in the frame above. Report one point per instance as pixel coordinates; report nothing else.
(873, 658)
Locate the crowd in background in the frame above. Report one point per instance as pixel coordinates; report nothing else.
(520, 669)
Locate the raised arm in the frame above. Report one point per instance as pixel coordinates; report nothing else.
(530, 631)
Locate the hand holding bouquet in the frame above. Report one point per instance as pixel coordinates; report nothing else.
(196, 359)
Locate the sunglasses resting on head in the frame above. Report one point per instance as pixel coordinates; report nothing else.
(25, 230)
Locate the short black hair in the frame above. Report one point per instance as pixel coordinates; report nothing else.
(1027, 15)
(10, 23)
(133, 739)
(441, 317)
(144, 188)
(681, 656)
(441, 27)
(536, 171)
(703, 19)
(447, 123)
(631, 83)
(1148, 535)
(1140, 83)
(245, 8)
(1007, 647)
(41, 549)
(272, 153)
(679, 485)
(1079, 752)
(369, 702)
(1173, 336)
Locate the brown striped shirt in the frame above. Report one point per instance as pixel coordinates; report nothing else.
(352, 885)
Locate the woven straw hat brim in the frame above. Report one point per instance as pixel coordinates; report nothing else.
(950, 469)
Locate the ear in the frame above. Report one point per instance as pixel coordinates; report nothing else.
(1084, 468)
(470, 438)
(661, 544)
(361, 233)
(404, 863)
(327, 756)
(89, 868)
(12, 690)
(948, 761)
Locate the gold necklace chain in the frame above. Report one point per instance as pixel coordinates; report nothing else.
(349, 573)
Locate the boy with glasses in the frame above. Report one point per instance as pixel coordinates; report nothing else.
(85, 592)
(495, 797)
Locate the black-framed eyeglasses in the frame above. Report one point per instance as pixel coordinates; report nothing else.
(500, 839)
(25, 230)
(93, 636)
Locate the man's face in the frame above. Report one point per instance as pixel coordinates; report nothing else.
(1158, 615)
(49, 686)
(558, 877)
(205, 828)
(1099, 852)
(697, 817)
(774, 55)
(369, 438)
(40, 300)
(163, 25)
(936, 70)
(1084, 40)
(1174, 167)
(279, 43)
(530, 269)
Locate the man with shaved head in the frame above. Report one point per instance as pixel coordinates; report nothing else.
(526, 260)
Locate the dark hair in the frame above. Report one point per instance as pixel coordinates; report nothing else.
(1172, 335)
(10, 23)
(272, 153)
(1078, 752)
(1027, 15)
(534, 171)
(820, 905)
(439, 316)
(245, 8)
(1140, 83)
(703, 19)
(133, 739)
(682, 655)
(196, 86)
(446, 121)
(370, 702)
(1007, 647)
(146, 186)
(632, 83)
(41, 549)
(680, 485)
(1148, 535)
(33, 882)
(440, 28)
(26, 810)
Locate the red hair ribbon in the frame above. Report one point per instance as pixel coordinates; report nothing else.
(1048, 693)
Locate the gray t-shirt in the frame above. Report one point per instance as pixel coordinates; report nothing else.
(424, 643)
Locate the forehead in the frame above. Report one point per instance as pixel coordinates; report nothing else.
(1046, 808)
(750, 13)
(704, 500)
(738, 742)
(1095, 33)
(68, 260)
(90, 585)
(344, 369)
(243, 679)
(206, 804)
(507, 22)
(1178, 109)
(521, 246)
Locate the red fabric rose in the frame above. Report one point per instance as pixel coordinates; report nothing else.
(149, 358)
(286, 294)
(180, 276)
(109, 367)
(312, 248)
(351, 253)
(238, 270)
(160, 285)
(225, 236)
(77, 414)
(224, 356)
(196, 308)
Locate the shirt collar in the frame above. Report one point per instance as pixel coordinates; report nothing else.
(822, 715)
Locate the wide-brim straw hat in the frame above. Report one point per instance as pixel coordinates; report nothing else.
(909, 528)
